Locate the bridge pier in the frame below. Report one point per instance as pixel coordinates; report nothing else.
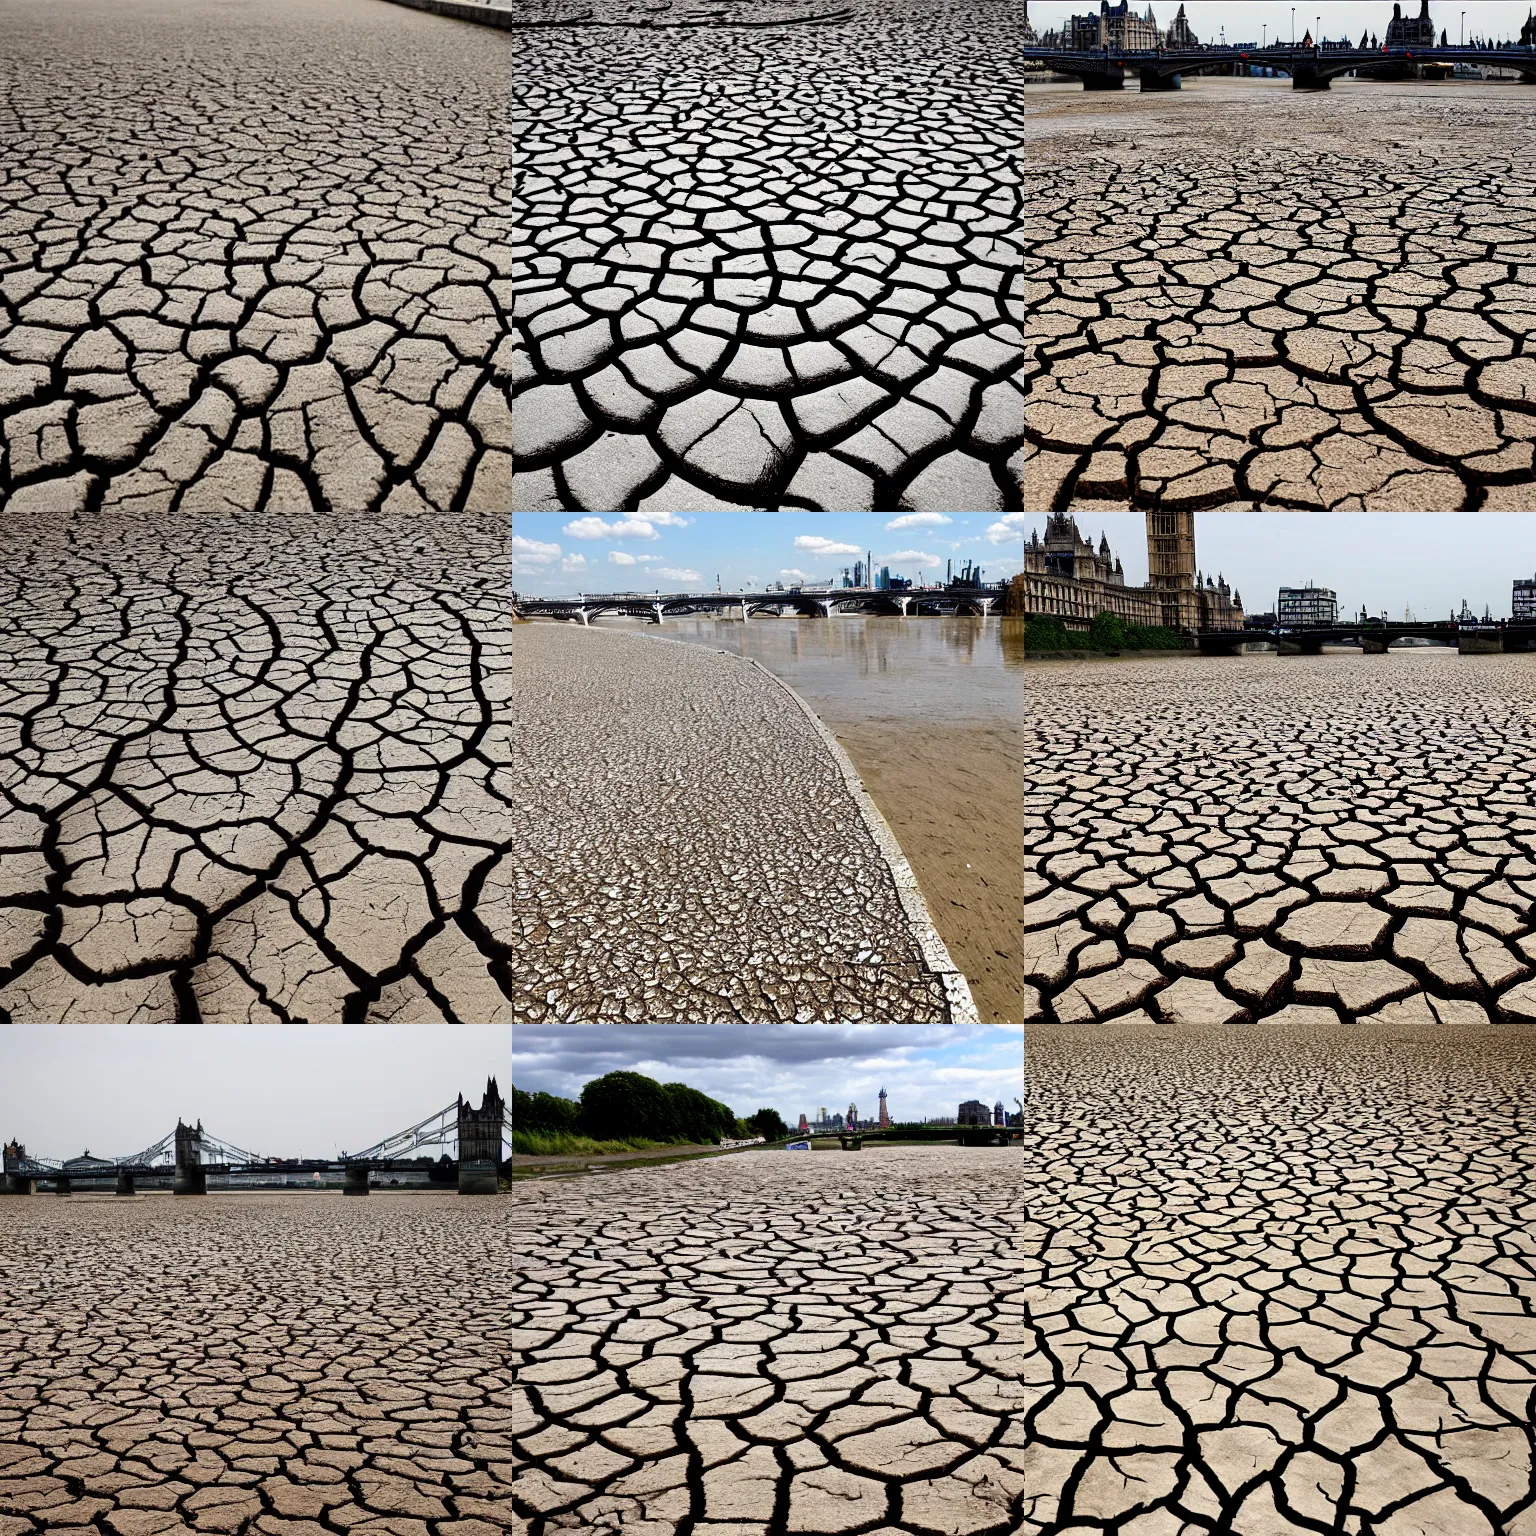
(1372, 645)
(61, 1185)
(124, 1184)
(1111, 80)
(1308, 79)
(355, 1179)
(20, 1184)
(1310, 647)
(1152, 81)
(477, 1178)
(1479, 642)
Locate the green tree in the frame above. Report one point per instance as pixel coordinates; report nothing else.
(1107, 632)
(622, 1104)
(1045, 632)
(543, 1112)
(767, 1124)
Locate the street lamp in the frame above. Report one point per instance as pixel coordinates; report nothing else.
(1265, 43)
(1463, 29)
(1293, 26)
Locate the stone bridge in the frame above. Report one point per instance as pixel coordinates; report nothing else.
(1310, 69)
(657, 607)
(1374, 637)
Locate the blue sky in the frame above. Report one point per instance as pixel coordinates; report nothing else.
(927, 1070)
(311, 1090)
(1427, 561)
(1245, 20)
(556, 554)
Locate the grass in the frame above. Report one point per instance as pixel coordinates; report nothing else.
(565, 1144)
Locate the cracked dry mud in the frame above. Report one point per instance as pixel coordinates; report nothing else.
(273, 1364)
(253, 255)
(1279, 1278)
(772, 1343)
(686, 850)
(252, 769)
(1343, 837)
(769, 264)
(1245, 297)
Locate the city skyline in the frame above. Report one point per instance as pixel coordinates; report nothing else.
(555, 554)
(1429, 562)
(315, 1090)
(926, 1070)
(1245, 20)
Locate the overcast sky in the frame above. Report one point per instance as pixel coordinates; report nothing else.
(1428, 561)
(1245, 19)
(927, 1070)
(557, 555)
(279, 1090)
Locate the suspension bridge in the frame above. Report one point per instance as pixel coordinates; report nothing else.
(471, 1144)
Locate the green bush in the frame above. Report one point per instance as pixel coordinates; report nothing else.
(1047, 633)
(627, 1104)
(1107, 632)
(564, 1144)
(543, 1112)
(768, 1124)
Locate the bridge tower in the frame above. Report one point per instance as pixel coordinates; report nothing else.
(1171, 564)
(480, 1141)
(190, 1178)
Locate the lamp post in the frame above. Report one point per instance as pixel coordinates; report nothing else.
(1463, 29)
(1317, 36)
(1265, 43)
(1293, 26)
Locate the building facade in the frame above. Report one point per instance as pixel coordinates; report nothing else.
(1066, 577)
(1522, 606)
(1415, 32)
(1181, 34)
(1298, 606)
(1115, 26)
(973, 1112)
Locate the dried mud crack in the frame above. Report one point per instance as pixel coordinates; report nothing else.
(1336, 838)
(254, 1363)
(253, 769)
(1279, 1278)
(768, 266)
(1244, 298)
(716, 1352)
(253, 256)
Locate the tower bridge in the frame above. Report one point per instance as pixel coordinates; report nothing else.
(469, 1140)
(1310, 69)
(655, 608)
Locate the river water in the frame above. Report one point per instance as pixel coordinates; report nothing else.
(931, 712)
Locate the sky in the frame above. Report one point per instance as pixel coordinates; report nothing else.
(1244, 19)
(310, 1090)
(1387, 561)
(926, 1070)
(557, 555)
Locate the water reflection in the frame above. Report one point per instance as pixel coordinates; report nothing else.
(953, 666)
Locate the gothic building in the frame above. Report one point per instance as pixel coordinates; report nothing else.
(480, 1130)
(1029, 31)
(1066, 577)
(1528, 31)
(1115, 26)
(1181, 34)
(1416, 33)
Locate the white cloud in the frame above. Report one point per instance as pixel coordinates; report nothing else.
(625, 528)
(919, 520)
(913, 557)
(820, 546)
(574, 563)
(665, 519)
(532, 554)
(672, 574)
(797, 575)
(621, 557)
(1011, 527)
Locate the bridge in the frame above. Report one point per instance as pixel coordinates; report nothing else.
(1375, 637)
(809, 603)
(1310, 69)
(469, 1140)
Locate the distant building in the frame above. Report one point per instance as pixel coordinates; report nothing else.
(973, 1112)
(1066, 577)
(1029, 31)
(1417, 33)
(1181, 34)
(885, 1118)
(997, 1114)
(1296, 606)
(1115, 26)
(1522, 606)
(804, 1127)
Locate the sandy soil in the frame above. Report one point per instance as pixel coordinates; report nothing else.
(952, 797)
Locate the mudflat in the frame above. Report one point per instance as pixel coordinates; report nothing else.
(1240, 297)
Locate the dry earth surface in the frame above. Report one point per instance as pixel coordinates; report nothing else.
(272, 1364)
(773, 1343)
(1279, 1278)
(769, 256)
(253, 253)
(1241, 296)
(253, 769)
(1321, 838)
(687, 850)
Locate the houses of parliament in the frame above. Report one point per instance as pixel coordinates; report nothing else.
(1065, 576)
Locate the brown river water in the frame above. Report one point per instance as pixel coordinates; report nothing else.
(931, 712)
